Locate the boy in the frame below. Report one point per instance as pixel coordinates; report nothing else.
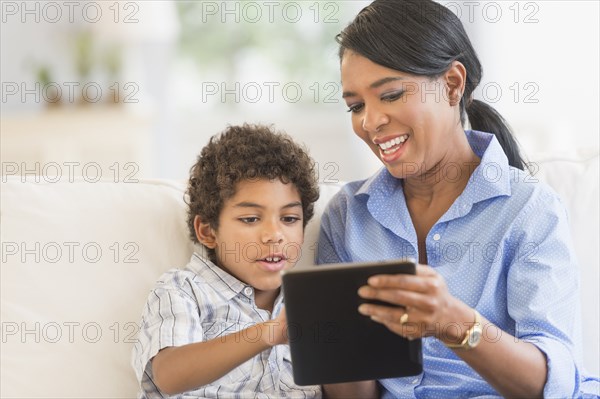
(216, 327)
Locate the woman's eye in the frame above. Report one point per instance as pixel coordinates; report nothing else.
(290, 219)
(249, 220)
(355, 108)
(392, 96)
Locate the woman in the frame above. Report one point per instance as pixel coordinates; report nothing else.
(496, 285)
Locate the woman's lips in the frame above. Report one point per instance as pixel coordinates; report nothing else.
(391, 150)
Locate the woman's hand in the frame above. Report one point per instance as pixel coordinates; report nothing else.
(426, 306)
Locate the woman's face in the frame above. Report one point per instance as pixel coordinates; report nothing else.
(406, 120)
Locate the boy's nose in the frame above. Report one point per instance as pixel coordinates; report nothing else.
(272, 234)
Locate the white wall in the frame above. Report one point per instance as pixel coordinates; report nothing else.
(544, 51)
(544, 57)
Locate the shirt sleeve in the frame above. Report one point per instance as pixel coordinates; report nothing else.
(543, 286)
(171, 318)
(331, 233)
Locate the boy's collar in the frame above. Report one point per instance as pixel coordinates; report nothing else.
(208, 271)
(202, 266)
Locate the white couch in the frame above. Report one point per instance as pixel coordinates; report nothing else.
(78, 259)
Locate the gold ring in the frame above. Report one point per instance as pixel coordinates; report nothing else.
(404, 318)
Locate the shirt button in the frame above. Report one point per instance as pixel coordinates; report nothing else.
(248, 291)
(436, 237)
(415, 381)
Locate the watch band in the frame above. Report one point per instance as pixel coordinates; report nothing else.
(472, 335)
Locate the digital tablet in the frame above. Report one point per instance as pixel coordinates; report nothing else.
(330, 341)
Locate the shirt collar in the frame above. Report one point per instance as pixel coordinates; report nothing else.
(228, 285)
(379, 192)
(490, 179)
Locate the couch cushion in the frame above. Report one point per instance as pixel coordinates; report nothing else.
(78, 260)
(576, 181)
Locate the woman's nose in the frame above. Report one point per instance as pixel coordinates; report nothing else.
(374, 119)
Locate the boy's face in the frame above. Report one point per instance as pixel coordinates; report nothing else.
(260, 232)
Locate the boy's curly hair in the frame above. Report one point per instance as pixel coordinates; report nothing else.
(247, 152)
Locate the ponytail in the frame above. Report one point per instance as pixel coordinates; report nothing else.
(485, 118)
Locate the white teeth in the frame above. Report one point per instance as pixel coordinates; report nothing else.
(273, 259)
(393, 142)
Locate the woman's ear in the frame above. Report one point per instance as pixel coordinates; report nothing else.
(456, 78)
(204, 233)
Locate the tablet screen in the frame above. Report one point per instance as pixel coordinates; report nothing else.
(330, 341)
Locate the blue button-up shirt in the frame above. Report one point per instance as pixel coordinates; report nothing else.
(503, 248)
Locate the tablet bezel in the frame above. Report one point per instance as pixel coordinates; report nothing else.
(331, 342)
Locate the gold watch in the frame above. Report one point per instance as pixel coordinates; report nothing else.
(472, 336)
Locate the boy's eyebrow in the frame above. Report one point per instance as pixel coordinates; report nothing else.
(246, 204)
(374, 85)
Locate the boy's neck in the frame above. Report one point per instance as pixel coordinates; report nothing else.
(266, 299)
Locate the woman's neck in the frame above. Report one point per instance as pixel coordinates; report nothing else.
(447, 178)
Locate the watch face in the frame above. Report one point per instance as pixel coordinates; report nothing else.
(474, 337)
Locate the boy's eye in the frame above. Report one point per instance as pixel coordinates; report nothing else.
(355, 108)
(290, 219)
(249, 219)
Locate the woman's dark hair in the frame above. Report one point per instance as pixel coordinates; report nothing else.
(247, 152)
(422, 37)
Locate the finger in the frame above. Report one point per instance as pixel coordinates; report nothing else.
(421, 270)
(425, 270)
(409, 330)
(390, 315)
(401, 281)
(283, 317)
(381, 313)
(397, 297)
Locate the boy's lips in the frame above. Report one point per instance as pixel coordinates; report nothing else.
(273, 263)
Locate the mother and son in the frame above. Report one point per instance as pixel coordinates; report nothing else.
(253, 186)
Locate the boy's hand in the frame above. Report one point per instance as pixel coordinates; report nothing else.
(178, 369)
(275, 331)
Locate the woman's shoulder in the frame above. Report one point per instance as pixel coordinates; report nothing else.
(364, 187)
(347, 196)
(526, 184)
(528, 194)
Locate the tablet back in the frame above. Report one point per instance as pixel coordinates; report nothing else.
(330, 341)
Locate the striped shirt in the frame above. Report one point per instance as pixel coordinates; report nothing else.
(203, 302)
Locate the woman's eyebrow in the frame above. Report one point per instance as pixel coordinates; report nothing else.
(374, 85)
(381, 82)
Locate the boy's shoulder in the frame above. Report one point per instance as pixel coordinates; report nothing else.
(194, 273)
(199, 278)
